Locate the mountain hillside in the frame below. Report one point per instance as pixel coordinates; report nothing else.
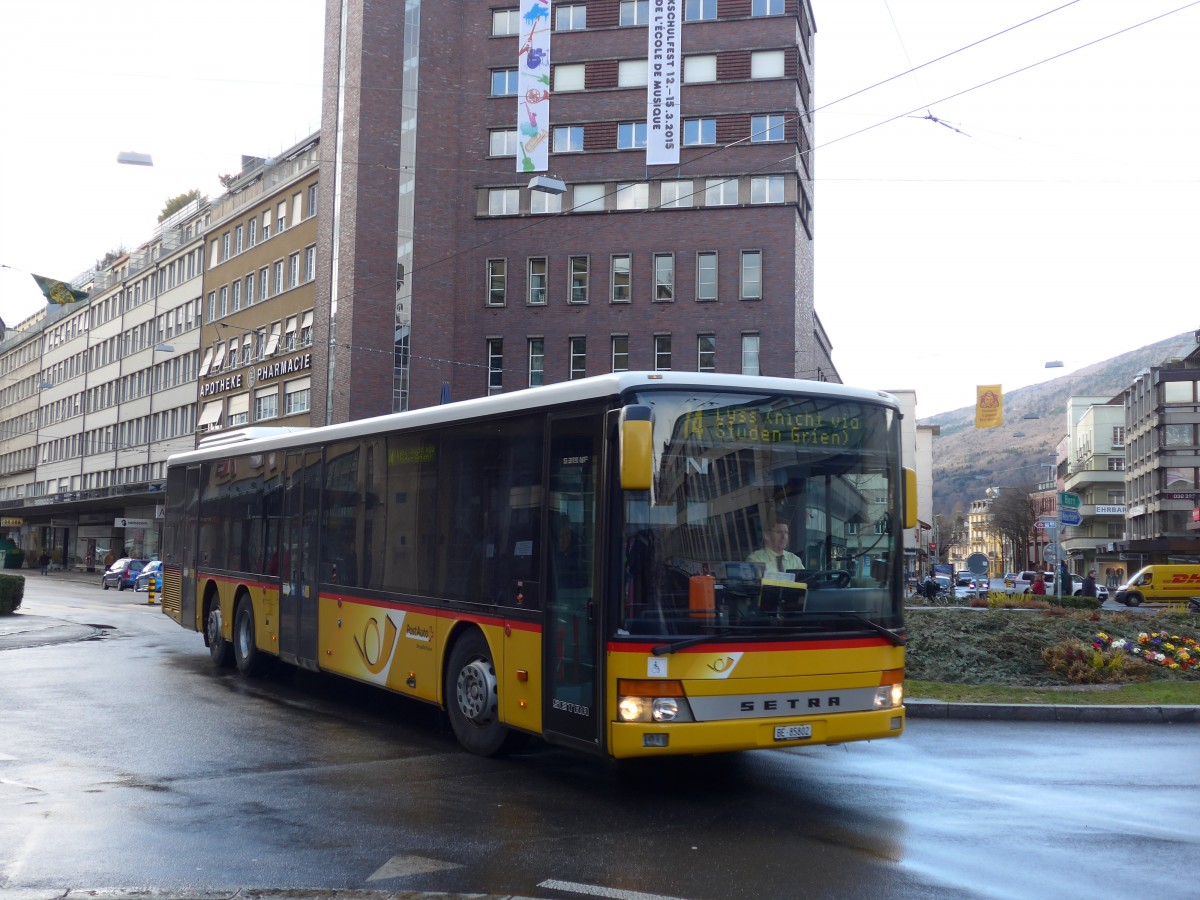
(966, 459)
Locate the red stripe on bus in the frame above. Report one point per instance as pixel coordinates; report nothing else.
(773, 646)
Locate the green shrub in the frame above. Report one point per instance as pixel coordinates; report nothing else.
(12, 592)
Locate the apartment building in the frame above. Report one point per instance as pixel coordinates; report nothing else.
(1093, 468)
(104, 392)
(461, 266)
(256, 363)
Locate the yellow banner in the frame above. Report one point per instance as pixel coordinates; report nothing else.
(989, 406)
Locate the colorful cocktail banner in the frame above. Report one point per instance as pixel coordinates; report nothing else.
(662, 84)
(533, 87)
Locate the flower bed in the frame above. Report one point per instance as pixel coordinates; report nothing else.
(1160, 648)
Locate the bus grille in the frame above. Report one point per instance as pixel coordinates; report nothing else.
(172, 591)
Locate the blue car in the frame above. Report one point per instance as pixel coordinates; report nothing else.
(122, 574)
(152, 571)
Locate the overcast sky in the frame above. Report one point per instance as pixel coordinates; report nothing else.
(1060, 224)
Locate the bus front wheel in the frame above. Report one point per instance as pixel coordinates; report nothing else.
(218, 648)
(472, 697)
(246, 655)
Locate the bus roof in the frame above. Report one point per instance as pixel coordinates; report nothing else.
(255, 440)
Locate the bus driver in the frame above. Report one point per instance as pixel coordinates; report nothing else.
(774, 553)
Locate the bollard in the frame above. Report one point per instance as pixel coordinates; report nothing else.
(150, 589)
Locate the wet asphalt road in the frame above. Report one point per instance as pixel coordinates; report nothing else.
(127, 763)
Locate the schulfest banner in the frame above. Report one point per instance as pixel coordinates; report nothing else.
(533, 87)
(57, 291)
(989, 406)
(662, 84)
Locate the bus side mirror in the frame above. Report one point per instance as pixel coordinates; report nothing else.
(910, 498)
(635, 446)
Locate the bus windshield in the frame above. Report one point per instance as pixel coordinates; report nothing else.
(767, 515)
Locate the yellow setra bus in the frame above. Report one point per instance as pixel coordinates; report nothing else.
(634, 564)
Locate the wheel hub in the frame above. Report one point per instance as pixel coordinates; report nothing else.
(214, 624)
(477, 692)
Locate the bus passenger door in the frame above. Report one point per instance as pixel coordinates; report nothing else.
(187, 539)
(572, 712)
(298, 559)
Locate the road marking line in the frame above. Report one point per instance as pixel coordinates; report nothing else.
(400, 866)
(595, 890)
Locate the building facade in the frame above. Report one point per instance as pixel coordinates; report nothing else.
(451, 276)
(1094, 470)
(1162, 465)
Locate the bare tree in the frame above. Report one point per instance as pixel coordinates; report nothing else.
(1013, 514)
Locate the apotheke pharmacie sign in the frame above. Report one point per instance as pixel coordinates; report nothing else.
(298, 363)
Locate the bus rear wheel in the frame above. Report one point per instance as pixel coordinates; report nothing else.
(472, 697)
(246, 655)
(218, 648)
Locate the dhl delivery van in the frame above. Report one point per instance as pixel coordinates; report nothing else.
(1160, 584)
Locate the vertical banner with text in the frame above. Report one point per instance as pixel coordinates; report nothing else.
(662, 84)
(533, 87)
(989, 406)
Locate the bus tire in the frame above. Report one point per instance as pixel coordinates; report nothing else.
(472, 696)
(1133, 598)
(218, 648)
(246, 655)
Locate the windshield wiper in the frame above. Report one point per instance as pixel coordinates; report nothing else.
(662, 649)
(894, 636)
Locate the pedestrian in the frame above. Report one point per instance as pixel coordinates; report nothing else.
(44, 563)
(929, 587)
(1089, 583)
(1039, 585)
(109, 558)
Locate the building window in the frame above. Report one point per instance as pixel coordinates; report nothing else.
(537, 281)
(237, 239)
(631, 73)
(577, 348)
(263, 283)
(504, 83)
(497, 279)
(266, 404)
(239, 410)
(289, 334)
(495, 363)
(281, 218)
(266, 225)
(699, 69)
(664, 277)
(293, 270)
(306, 328)
(542, 203)
(310, 202)
(252, 229)
(706, 353)
(278, 286)
(502, 142)
(699, 10)
(766, 64)
(620, 353)
(662, 353)
(766, 189)
(1118, 436)
(633, 195)
(296, 396)
(635, 12)
(506, 22)
(706, 276)
(223, 303)
(621, 278)
(569, 78)
(236, 296)
(750, 355)
(631, 135)
(751, 275)
(504, 201)
(571, 17)
(588, 197)
(568, 139)
(225, 246)
(720, 192)
(765, 129)
(1116, 464)
(310, 263)
(537, 362)
(766, 7)
(699, 132)
(675, 194)
(579, 279)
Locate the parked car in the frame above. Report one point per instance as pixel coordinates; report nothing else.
(122, 574)
(152, 571)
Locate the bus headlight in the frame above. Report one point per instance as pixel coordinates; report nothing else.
(889, 696)
(652, 701)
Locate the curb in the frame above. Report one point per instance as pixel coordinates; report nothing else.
(1048, 712)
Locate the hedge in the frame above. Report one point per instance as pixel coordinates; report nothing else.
(12, 592)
